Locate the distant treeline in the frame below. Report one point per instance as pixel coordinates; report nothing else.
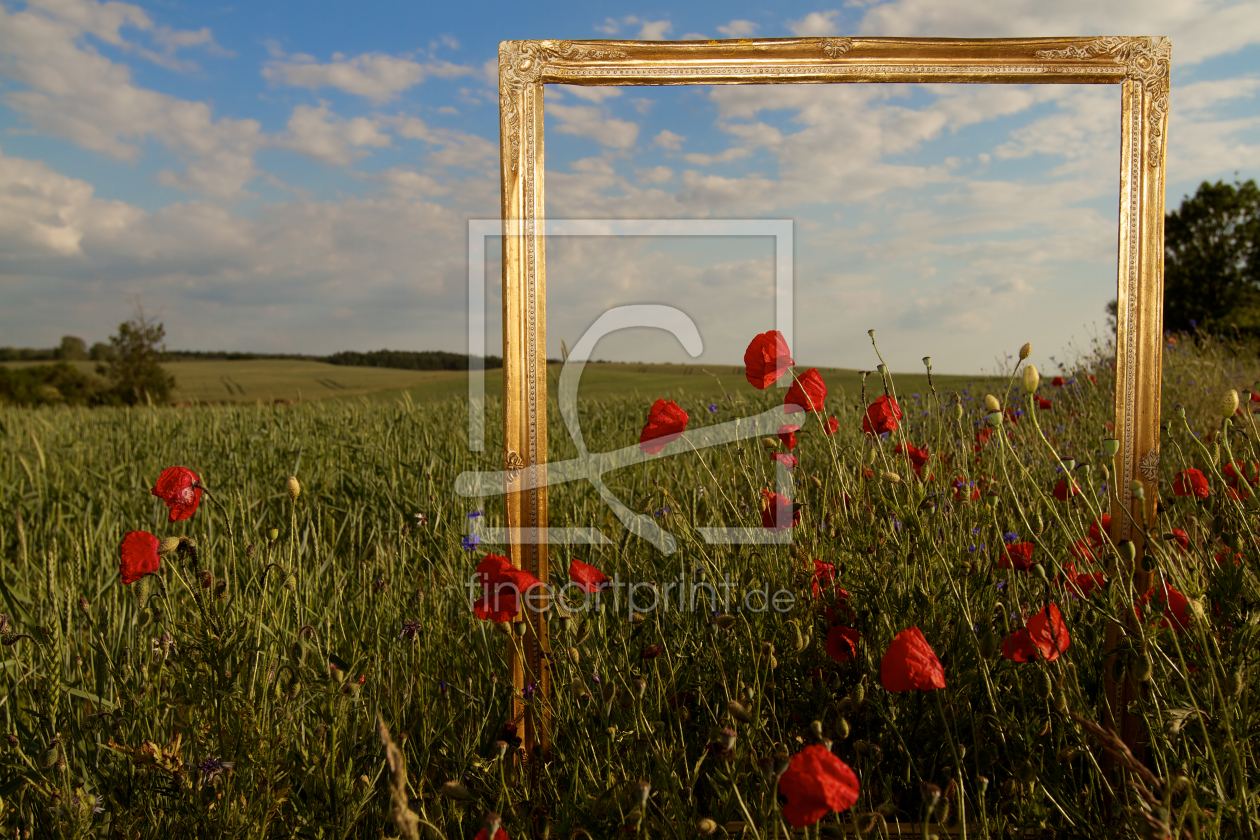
(54, 384)
(226, 355)
(410, 360)
(402, 359)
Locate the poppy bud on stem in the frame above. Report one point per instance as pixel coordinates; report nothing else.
(1031, 378)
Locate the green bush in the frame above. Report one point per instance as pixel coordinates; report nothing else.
(52, 385)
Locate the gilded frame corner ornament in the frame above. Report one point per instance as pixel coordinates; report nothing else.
(1140, 65)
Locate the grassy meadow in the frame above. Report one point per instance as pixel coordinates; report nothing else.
(233, 382)
(313, 667)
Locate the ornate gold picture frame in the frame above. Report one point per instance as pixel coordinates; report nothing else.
(1140, 65)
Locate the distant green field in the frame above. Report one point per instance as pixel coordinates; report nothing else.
(269, 380)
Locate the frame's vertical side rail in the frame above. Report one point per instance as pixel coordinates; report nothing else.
(1139, 352)
(534, 553)
(524, 365)
(515, 435)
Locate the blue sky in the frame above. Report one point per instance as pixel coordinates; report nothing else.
(298, 177)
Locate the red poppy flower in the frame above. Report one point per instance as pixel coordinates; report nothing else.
(1018, 556)
(175, 487)
(918, 457)
(1011, 416)
(831, 425)
(1093, 379)
(776, 511)
(1191, 482)
(815, 784)
(807, 393)
(1043, 403)
(842, 642)
(1223, 555)
(651, 652)
(1061, 489)
(881, 416)
(1099, 530)
(1080, 551)
(1045, 637)
(1057, 382)
(1081, 584)
(1238, 495)
(787, 434)
(665, 424)
(767, 359)
(785, 459)
(824, 575)
(1088, 582)
(502, 584)
(138, 555)
(1173, 602)
(1182, 539)
(982, 437)
(498, 835)
(1231, 472)
(588, 578)
(910, 663)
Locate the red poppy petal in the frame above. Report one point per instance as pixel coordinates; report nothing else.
(138, 555)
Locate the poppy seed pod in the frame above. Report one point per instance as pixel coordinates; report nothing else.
(995, 418)
(273, 534)
(706, 827)
(1025, 351)
(991, 403)
(293, 488)
(454, 790)
(927, 362)
(1229, 404)
(1142, 669)
(1031, 378)
(1110, 446)
(1138, 489)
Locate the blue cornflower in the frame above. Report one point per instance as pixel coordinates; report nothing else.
(713, 408)
(410, 631)
(211, 768)
(662, 511)
(1010, 536)
(1001, 584)
(470, 542)
(475, 514)
(528, 691)
(971, 548)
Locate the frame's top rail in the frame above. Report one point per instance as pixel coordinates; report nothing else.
(1097, 60)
